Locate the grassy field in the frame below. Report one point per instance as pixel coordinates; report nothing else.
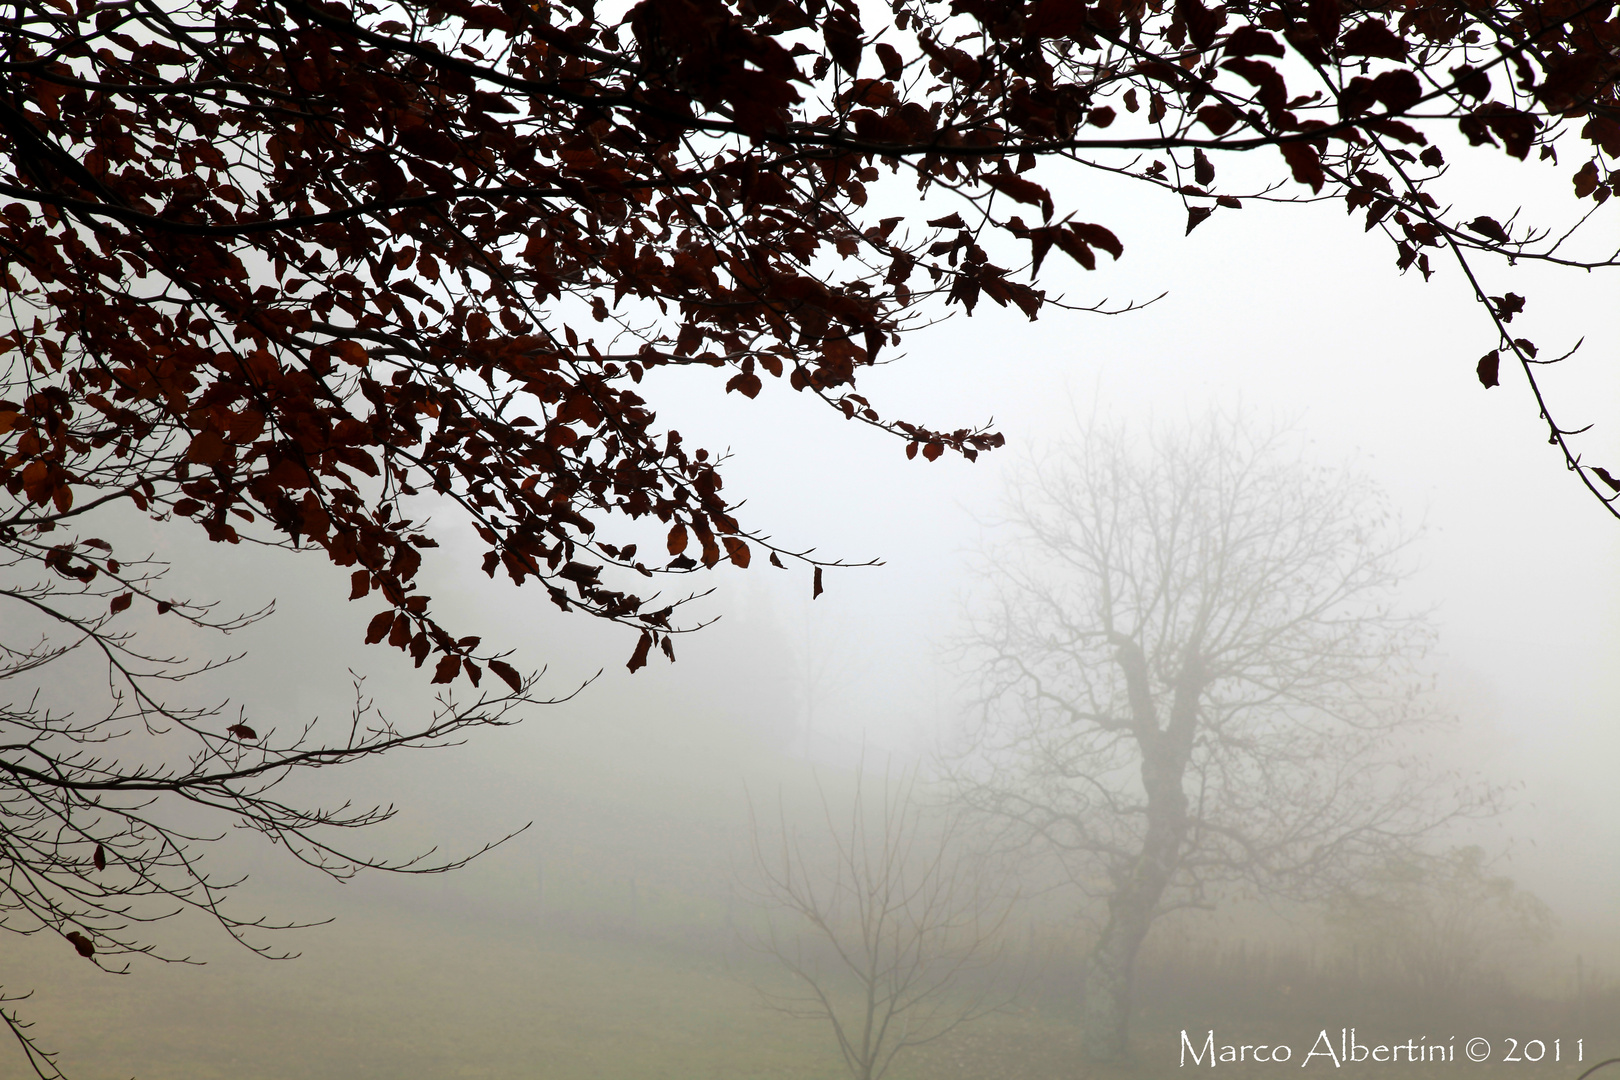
(396, 996)
(626, 977)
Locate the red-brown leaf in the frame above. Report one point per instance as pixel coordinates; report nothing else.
(1586, 180)
(378, 629)
(745, 382)
(1372, 38)
(1218, 118)
(1098, 236)
(1306, 165)
(638, 659)
(737, 551)
(399, 635)
(1489, 227)
(893, 68)
(508, 674)
(206, 448)
(1253, 41)
(843, 36)
(1203, 170)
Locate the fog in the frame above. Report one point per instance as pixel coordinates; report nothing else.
(620, 933)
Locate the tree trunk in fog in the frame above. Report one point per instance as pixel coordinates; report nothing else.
(1105, 1013)
(1139, 886)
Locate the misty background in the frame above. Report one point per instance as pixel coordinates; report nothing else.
(603, 941)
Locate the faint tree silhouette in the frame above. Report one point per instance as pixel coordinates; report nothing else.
(1195, 676)
(888, 925)
(1440, 922)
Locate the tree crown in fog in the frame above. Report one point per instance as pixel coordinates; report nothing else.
(1196, 675)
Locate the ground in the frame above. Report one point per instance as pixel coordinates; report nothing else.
(425, 995)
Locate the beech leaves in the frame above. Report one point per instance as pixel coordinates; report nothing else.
(280, 273)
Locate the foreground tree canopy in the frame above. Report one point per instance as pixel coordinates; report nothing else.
(274, 268)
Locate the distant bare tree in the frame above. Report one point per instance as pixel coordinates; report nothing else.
(1196, 678)
(883, 919)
